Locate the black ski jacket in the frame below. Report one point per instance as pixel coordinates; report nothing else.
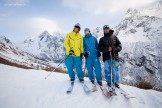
(109, 40)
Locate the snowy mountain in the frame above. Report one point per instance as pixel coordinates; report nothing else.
(97, 32)
(141, 37)
(140, 32)
(154, 9)
(45, 46)
(21, 88)
(10, 54)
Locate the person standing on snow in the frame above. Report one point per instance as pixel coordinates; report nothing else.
(110, 45)
(92, 55)
(74, 52)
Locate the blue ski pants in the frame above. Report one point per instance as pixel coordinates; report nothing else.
(93, 65)
(72, 62)
(111, 67)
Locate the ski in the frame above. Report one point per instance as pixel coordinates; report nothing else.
(94, 87)
(126, 95)
(112, 90)
(105, 92)
(85, 87)
(121, 90)
(70, 88)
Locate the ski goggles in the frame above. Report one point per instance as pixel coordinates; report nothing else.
(87, 32)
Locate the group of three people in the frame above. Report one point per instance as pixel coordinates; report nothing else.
(77, 47)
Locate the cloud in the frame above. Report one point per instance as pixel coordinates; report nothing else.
(15, 2)
(104, 6)
(39, 24)
(3, 15)
(33, 26)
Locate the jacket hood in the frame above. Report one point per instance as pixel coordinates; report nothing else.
(110, 33)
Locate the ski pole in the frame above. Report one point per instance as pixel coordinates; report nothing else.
(85, 64)
(111, 68)
(113, 71)
(85, 67)
(56, 67)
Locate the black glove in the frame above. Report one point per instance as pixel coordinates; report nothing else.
(115, 49)
(71, 52)
(98, 54)
(86, 54)
(81, 55)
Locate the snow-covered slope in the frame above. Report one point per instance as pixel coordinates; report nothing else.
(45, 46)
(20, 88)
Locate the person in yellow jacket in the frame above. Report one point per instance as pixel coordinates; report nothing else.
(73, 44)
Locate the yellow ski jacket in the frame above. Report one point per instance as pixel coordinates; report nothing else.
(74, 41)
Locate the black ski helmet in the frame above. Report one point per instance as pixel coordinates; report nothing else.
(105, 26)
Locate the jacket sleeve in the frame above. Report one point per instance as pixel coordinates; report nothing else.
(118, 45)
(102, 47)
(66, 44)
(82, 46)
(85, 49)
(96, 44)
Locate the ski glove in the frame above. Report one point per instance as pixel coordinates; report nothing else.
(86, 54)
(115, 49)
(81, 55)
(71, 52)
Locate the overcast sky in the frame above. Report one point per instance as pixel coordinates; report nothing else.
(23, 18)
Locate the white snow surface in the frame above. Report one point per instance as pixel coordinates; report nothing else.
(21, 88)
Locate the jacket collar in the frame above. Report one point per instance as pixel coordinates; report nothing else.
(75, 32)
(88, 36)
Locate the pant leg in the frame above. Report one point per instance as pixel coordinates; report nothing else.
(97, 67)
(107, 68)
(116, 71)
(78, 65)
(69, 62)
(113, 71)
(89, 65)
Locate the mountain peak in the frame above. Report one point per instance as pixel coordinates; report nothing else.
(131, 12)
(3, 38)
(45, 33)
(158, 4)
(153, 9)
